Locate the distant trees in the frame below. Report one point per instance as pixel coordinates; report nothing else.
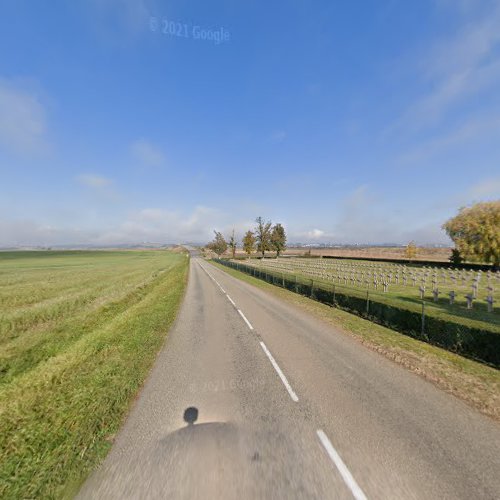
(249, 242)
(411, 250)
(475, 231)
(263, 235)
(218, 244)
(278, 239)
(232, 244)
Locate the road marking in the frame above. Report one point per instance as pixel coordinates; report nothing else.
(230, 300)
(213, 279)
(356, 491)
(246, 320)
(280, 373)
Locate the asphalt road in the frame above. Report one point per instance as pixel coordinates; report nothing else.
(287, 407)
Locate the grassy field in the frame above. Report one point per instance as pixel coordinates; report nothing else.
(78, 334)
(398, 295)
(476, 384)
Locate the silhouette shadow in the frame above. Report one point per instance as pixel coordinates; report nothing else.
(191, 415)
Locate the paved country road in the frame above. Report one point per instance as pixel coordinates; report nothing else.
(287, 407)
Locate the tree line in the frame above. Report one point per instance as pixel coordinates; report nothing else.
(265, 237)
(475, 230)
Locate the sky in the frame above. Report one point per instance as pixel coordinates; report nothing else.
(353, 121)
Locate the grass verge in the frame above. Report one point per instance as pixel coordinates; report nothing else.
(476, 384)
(59, 415)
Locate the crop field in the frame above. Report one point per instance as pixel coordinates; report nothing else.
(437, 255)
(397, 253)
(78, 332)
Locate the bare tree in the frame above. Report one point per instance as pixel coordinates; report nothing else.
(232, 244)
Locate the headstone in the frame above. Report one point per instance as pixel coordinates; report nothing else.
(422, 291)
(469, 299)
(452, 297)
(489, 300)
(435, 294)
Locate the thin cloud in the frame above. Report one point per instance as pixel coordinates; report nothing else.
(482, 128)
(456, 69)
(23, 123)
(147, 154)
(312, 236)
(94, 181)
(489, 188)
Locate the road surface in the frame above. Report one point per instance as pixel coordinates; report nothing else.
(252, 398)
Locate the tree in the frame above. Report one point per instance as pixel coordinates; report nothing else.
(249, 242)
(218, 244)
(278, 239)
(455, 257)
(475, 231)
(263, 235)
(232, 244)
(411, 250)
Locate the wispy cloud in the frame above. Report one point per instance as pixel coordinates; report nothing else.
(147, 154)
(489, 188)
(94, 181)
(455, 69)
(483, 128)
(23, 123)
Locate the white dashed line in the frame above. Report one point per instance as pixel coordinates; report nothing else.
(230, 300)
(356, 491)
(280, 373)
(246, 320)
(213, 279)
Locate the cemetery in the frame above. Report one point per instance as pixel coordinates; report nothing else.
(455, 309)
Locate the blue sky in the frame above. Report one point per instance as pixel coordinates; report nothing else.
(347, 121)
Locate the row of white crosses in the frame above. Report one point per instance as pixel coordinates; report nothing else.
(383, 275)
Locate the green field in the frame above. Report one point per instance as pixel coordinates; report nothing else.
(405, 297)
(79, 331)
